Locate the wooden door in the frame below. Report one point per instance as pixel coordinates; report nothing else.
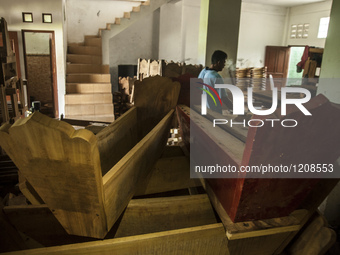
(277, 61)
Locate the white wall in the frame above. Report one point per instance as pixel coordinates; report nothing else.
(179, 27)
(310, 13)
(170, 33)
(85, 17)
(140, 40)
(191, 19)
(260, 25)
(12, 12)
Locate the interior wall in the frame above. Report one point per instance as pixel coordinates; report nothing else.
(85, 17)
(309, 13)
(260, 25)
(170, 34)
(12, 12)
(179, 24)
(140, 40)
(191, 19)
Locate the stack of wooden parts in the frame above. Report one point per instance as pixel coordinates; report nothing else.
(88, 82)
(178, 223)
(258, 81)
(87, 180)
(146, 68)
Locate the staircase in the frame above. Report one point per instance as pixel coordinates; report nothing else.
(88, 83)
(88, 80)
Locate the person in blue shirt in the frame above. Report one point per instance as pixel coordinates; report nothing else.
(211, 77)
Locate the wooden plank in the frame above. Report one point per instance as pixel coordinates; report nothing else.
(117, 139)
(63, 166)
(154, 98)
(207, 239)
(121, 181)
(141, 216)
(171, 173)
(151, 215)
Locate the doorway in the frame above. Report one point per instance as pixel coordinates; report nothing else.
(40, 69)
(294, 77)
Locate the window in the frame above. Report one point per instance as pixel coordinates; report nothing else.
(323, 27)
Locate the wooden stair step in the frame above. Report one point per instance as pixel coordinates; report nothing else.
(88, 78)
(88, 109)
(84, 59)
(87, 68)
(85, 50)
(146, 2)
(83, 88)
(88, 98)
(127, 15)
(93, 41)
(136, 9)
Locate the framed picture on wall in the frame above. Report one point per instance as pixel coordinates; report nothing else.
(27, 17)
(47, 18)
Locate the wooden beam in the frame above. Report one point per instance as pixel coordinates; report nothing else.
(141, 216)
(151, 215)
(208, 239)
(121, 181)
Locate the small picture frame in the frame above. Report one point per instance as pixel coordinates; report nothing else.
(47, 18)
(27, 17)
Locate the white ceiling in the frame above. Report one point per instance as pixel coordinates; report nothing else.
(285, 3)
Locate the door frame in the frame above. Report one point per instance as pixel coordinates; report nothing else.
(53, 65)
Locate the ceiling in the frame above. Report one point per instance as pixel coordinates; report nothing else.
(284, 3)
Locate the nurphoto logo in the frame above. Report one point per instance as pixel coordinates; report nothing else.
(239, 104)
